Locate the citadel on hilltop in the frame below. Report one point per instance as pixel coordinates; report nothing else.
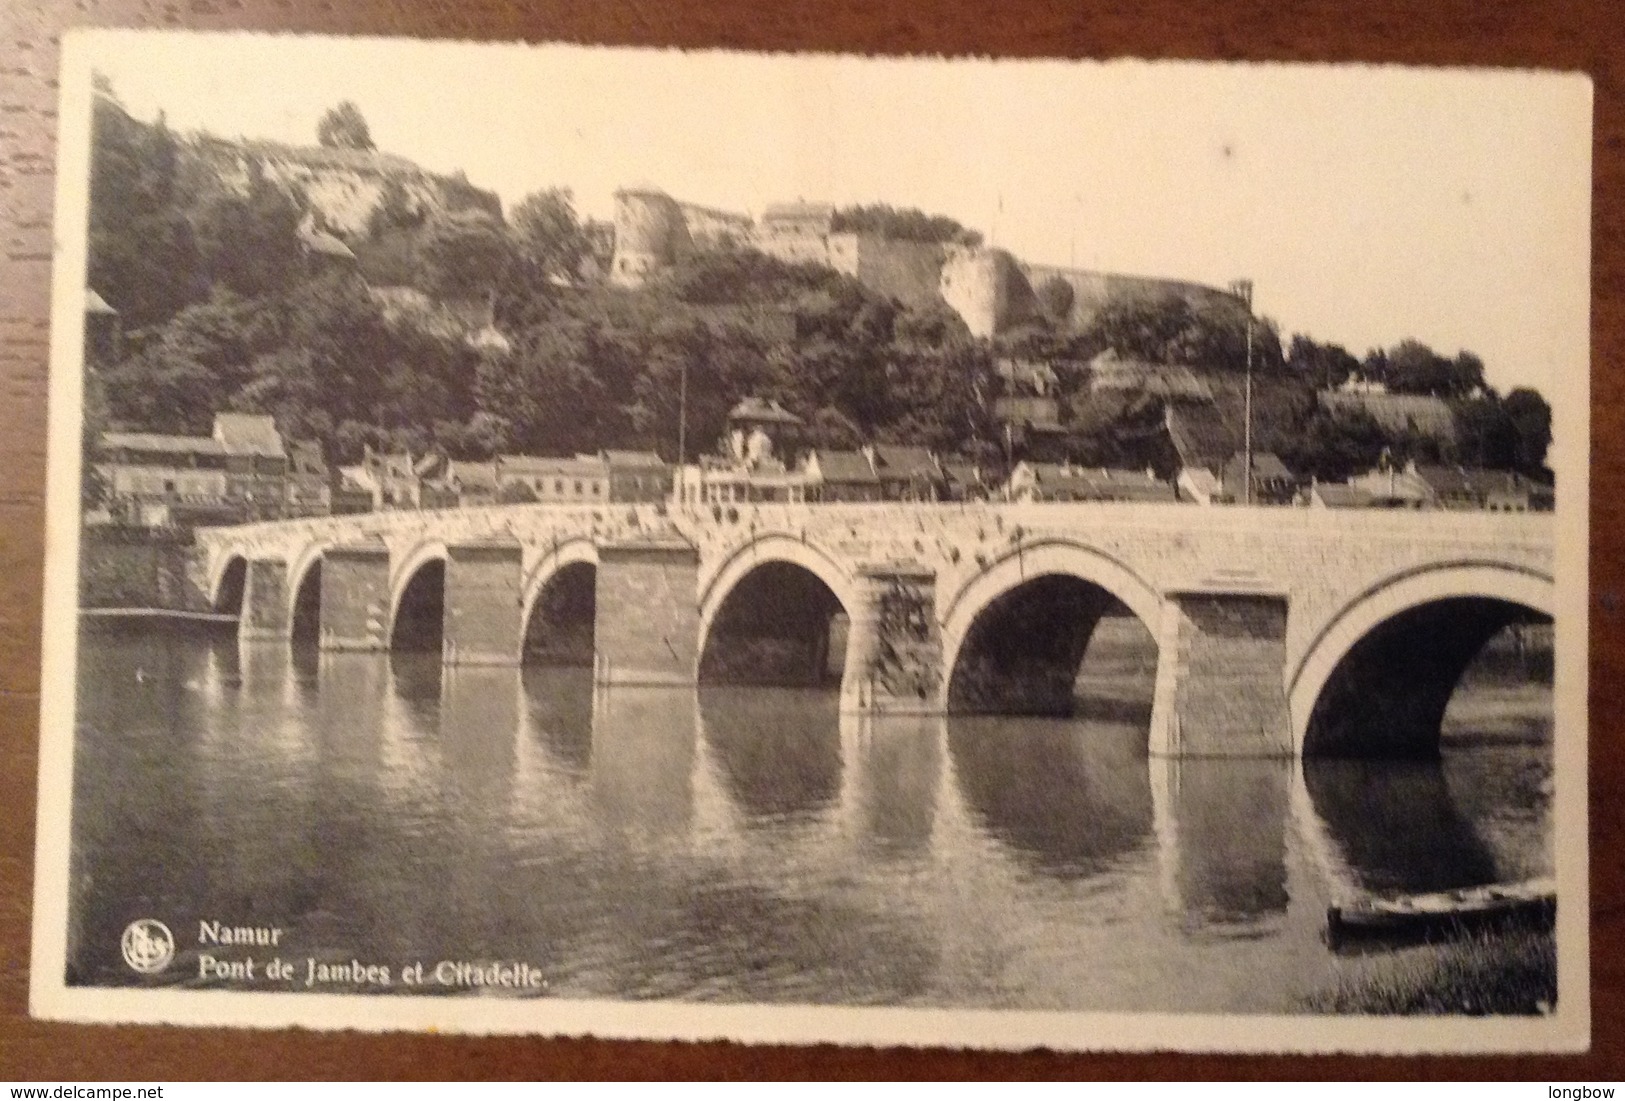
(990, 289)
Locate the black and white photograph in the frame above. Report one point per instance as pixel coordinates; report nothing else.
(810, 548)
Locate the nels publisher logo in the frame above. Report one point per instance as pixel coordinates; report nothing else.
(147, 945)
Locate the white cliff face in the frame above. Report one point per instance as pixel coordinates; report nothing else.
(342, 187)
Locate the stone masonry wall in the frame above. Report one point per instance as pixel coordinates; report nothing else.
(1219, 691)
(647, 624)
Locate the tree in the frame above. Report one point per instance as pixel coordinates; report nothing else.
(1414, 368)
(1531, 419)
(249, 244)
(1332, 446)
(1055, 298)
(142, 252)
(343, 127)
(902, 224)
(1485, 435)
(464, 255)
(1322, 366)
(548, 237)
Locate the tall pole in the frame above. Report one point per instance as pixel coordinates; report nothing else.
(683, 416)
(1248, 415)
(1243, 289)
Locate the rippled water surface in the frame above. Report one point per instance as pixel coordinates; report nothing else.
(751, 844)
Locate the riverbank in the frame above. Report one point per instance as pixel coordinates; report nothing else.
(121, 568)
(167, 614)
(1507, 970)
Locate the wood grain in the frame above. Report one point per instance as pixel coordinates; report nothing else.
(1584, 35)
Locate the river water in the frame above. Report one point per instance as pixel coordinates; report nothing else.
(747, 844)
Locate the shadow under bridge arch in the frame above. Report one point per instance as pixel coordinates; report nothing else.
(229, 583)
(776, 613)
(560, 606)
(418, 601)
(1016, 636)
(1375, 682)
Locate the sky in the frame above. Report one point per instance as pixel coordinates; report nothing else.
(1367, 204)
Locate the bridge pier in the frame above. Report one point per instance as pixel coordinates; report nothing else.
(265, 601)
(894, 644)
(482, 604)
(355, 597)
(646, 626)
(1220, 675)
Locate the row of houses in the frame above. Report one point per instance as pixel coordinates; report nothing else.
(396, 480)
(245, 470)
(242, 471)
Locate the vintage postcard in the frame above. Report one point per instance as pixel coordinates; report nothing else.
(814, 548)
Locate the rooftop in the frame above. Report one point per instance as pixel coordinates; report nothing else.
(158, 442)
(844, 466)
(579, 466)
(1267, 467)
(248, 434)
(903, 461)
(637, 460)
(754, 410)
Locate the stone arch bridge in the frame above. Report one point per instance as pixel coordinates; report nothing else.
(1278, 631)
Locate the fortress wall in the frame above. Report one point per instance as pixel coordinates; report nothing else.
(988, 289)
(1092, 289)
(711, 228)
(650, 234)
(801, 248)
(909, 271)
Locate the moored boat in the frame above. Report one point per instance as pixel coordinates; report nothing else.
(1533, 900)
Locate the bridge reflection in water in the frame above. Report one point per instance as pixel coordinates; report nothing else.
(740, 843)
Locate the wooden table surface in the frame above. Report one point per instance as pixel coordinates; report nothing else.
(1583, 35)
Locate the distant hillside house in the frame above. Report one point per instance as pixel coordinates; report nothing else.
(310, 483)
(390, 480)
(1339, 495)
(637, 475)
(1201, 486)
(583, 479)
(1059, 482)
(962, 480)
(240, 472)
(1465, 487)
(905, 472)
(758, 430)
(715, 480)
(1200, 436)
(472, 483)
(1417, 486)
(841, 475)
(1273, 483)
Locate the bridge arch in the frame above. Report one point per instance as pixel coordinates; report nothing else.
(770, 551)
(1498, 588)
(305, 567)
(764, 549)
(428, 555)
(1052, 559)
(228, 578)
(571, 555)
